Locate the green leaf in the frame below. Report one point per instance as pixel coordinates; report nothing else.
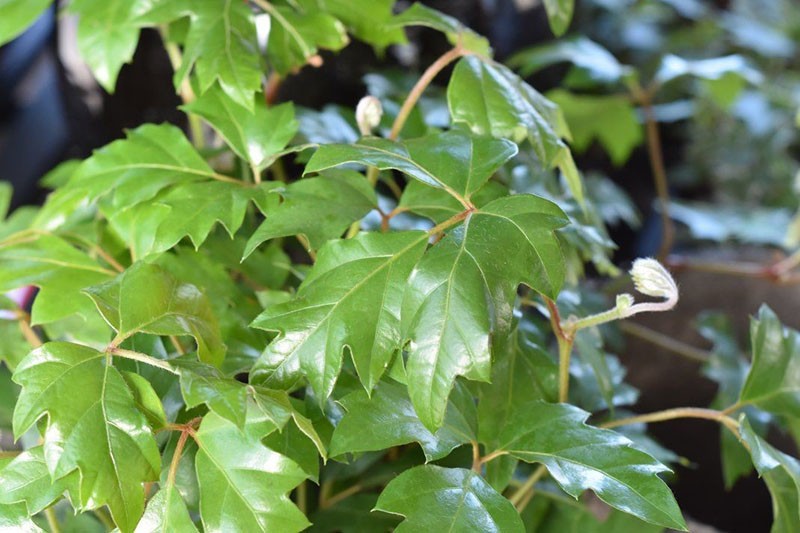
(14, 517)
(205, 384)
(354, 281)
(59, 270)
(458, 34)
(388, 419)
(18, 15)
(27, 479)
(559, 15)
(598, 63)
(432, 498)
(93, 426)
(438, 205)
(292, 442)
(146, 298)
(295, 37)
(773, 383)
(781, 473)
(256, 135)
(166, 513)
(609, 119)
(243, 484)
(108, 31)
(492, 100)
(464, 288)
(146, 399)
(581, 457)
(352, 515)
(673, 67)
(368, 20)
(319, 208)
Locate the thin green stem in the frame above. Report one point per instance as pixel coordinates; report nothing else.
(664, 341)
(521, 492)
(452, 221)
(52, 520)
(176, 456)
(302, 496)
(186, 93)
(677, 413)
(565, 340)
(142, 358)
(733, 408)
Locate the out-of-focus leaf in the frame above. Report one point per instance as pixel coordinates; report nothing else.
(18, 15)
(458, 34)
(599, 64)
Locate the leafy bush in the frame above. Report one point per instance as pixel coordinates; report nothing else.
(357, 319)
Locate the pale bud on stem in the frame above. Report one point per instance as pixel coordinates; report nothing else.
(368, 114)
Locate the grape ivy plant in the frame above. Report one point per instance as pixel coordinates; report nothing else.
(349, 320)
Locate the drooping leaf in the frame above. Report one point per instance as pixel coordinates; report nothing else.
(27, 479)
(458, 34)
(354, 281)
(166, 513)
(432, 498)
(387, 419)
(256, 135)
(60, 271)
(580, 457)
(465, 287)
(243, 484)
(559, 15)
(18, 15)
(773, 383)
(599, 64)
(492, 100)
(93, 426)
(146, 298)
(320, 208)
(781, 473)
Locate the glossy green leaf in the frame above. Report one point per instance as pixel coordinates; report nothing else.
(773, 383)
(27, 479)
(438, 205)
(60, 271)
(292, 442)
(492, 100)
(599, 64)
(354, 281)
(781, 473)
(256, 135)
(205, 384)
(458, 34)
(465, 287)
(556, 514)
(98, 431)
(146, 399)
(581, 457)
(166, 513)
(388, 419)
(432, 498)
(320, 208)
(146, 298)
(243, 484)
(296, 36)
(559, 14)
(18, 15)
(108, 31)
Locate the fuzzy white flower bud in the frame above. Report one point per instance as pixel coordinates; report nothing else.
(652, 279)
(368, 114)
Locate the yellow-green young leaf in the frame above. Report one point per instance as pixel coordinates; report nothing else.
(14, 517)
(581, 457)
(166, 513)
(781, 473)
(256, 135)
(354, 281)
(244, 485)
(320, 208)
(559, 14)
(387, 419)
(464, 289)
(458, 34)
(773, 383)
(18, 15)
(432, 498)
(92, 425)
(108, 31)
(60, 271)
(27, 479)
(145, 298)
(296, 36)
(492, 100)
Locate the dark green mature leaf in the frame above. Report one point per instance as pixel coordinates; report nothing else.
(256, 135)
(14, 517)
(458, 34)
(108, 31)
(27, 479)
(18, 15)
(438, 205)
(295, 444)
(59, 270)
(320, 208)
(432, 498)
(388, 419)
(781, 473)
(492, 100)
(97, 431)
(773, 383)
(465, 287)
(581, 457)
(558, 514)
(354, 281)
(146, 298)
(609, 119)
(353, 515)
(559, 14)
(584, 53)
(166, 512)
(454, 161)
(243, 484)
